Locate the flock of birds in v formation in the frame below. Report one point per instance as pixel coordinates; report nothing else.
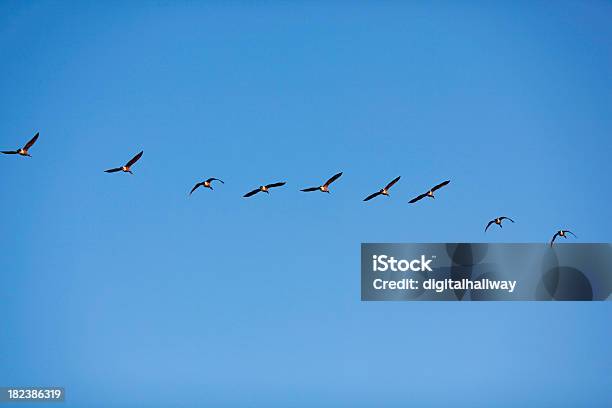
(127, 168)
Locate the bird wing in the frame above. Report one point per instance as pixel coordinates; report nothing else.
(332, 179)
(195, 187)
(553, 238)
(440, 185)
(506, 218)
(250, 193)
(566, 231)
(31, 142)
(395, 180)
(113, 170)
(489, 224)
(275, 184)
(307, 190)
(10, 152)
(371, 196)
(415, 199)
(212, 178)
(134, 159)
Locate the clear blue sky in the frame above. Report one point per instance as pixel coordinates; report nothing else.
(127, 293)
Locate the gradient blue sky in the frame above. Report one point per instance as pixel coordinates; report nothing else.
(127, 293)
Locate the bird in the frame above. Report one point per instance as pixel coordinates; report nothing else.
(384, 191)
(561, 233)
(206, 183)
(430, 193)
(24, 151)
(325, 187)
(128, 165)
(264, 189)
(497, 221)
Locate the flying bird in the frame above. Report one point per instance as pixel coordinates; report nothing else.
(561, 233)
(325, 187)
(498, 221)
(24, 151)
(384, 191)
(206, 183)
(430, 193)
(264, 189)
(128, 165)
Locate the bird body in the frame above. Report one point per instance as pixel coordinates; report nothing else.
(24, 151)
(127, 168)
(383, 191)
(498, 221)
(264, 189)
(561, 233)
(206, 183)
(430, 193)
(325, 187)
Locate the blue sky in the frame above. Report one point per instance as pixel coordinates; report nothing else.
(128, 293)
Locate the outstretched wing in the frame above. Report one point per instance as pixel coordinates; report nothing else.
(395, 180)
(415, 199)
(11, 152)
(506, 218)
(440, 185)
(332, 179)
(371, 196)
(553, 238)
(275, 185)
(31, 142)
(195, 187)
(489, 224)
(113, 170)
(568, 231)
(250, 193)
(307, 190)
(212, 179)
(134, 159)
